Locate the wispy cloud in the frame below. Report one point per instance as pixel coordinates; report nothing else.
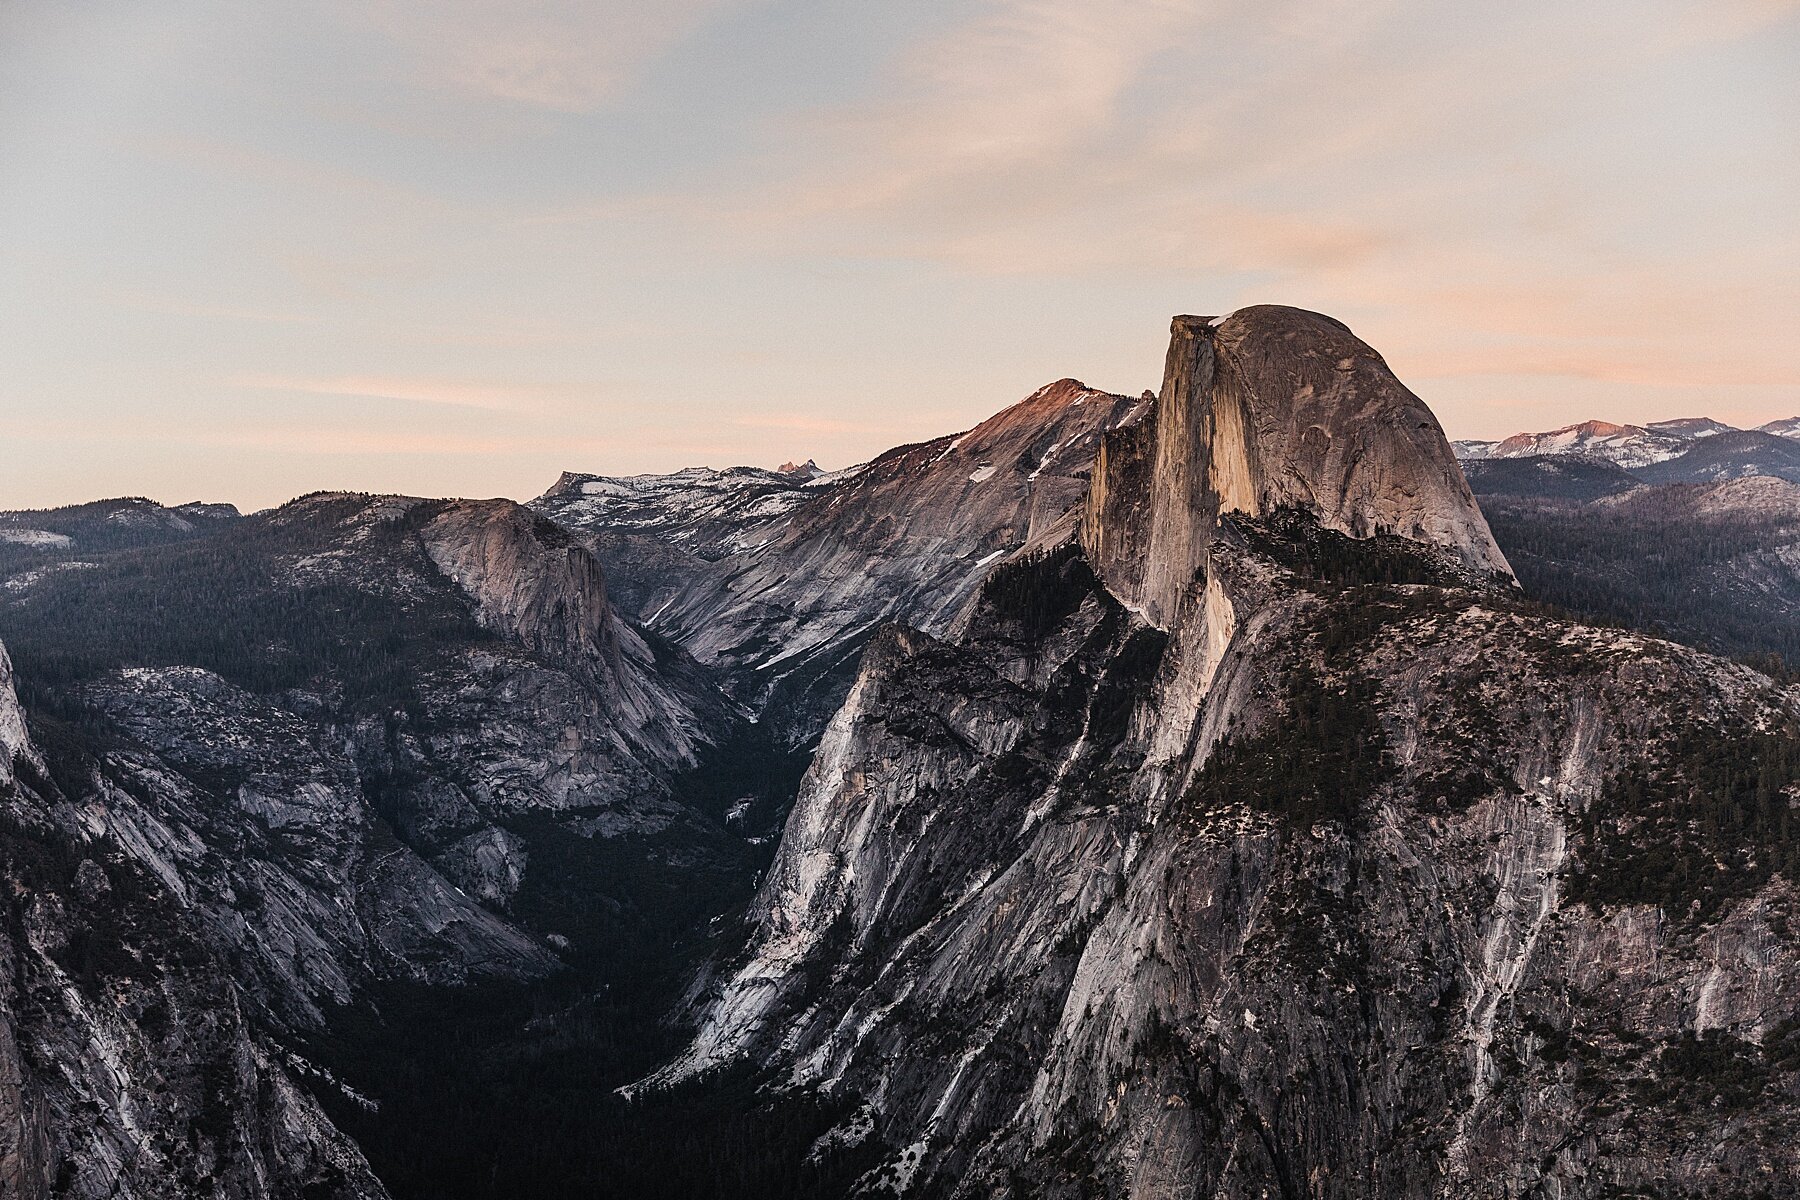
(564, 55)
(1443, 170)
(453, 393)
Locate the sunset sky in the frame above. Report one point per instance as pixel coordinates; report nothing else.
(253, 250)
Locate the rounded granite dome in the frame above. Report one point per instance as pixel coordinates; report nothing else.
(1269, 408)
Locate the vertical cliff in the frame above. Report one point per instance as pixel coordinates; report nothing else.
(529, 580)
(1271, 408)
(129, 1068)
(1263, 844)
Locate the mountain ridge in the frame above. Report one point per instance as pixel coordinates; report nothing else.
(1274, 874)
(1630, 446)
(1190, 801)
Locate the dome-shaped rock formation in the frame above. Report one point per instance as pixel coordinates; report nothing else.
(1265, 409)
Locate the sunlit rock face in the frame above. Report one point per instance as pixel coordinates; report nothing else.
(528, 580)
(1257, 841)
(1266, 409)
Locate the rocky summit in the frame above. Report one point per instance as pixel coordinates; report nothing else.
(1188, 794)
(1263, 842)
(1263, 411)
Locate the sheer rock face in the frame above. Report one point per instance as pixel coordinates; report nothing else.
(14, 741)
(129, 1069)
(529, 580)
(535, 585)
(1321, 875)
(1266, 409)
(909, 535)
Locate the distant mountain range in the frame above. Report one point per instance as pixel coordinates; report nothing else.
(1716, 564)
(1696, 449)
(1213, 792)
(1702, 544)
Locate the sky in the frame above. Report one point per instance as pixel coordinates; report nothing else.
(249, 251)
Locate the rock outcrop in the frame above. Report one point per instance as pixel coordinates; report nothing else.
(15, 742)
(529, 580)
(130, 1068)
(1268, 409)
(1300, 860)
